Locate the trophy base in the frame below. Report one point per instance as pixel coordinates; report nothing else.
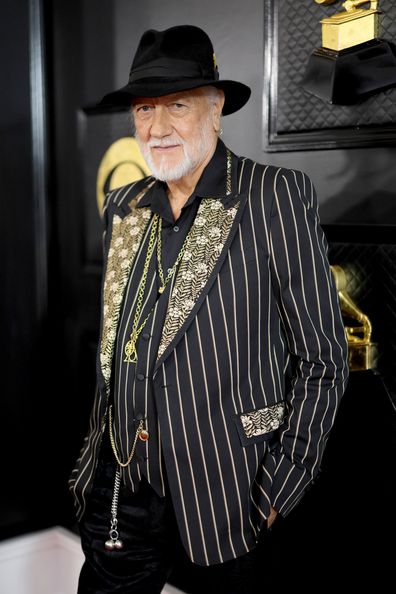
(362, 356)
(350, 75)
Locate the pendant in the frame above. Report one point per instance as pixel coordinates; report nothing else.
(130, 351)
(117, 544)
(143, 434)
(161, 289)
(113, 542)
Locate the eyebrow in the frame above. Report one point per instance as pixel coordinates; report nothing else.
(174, 99)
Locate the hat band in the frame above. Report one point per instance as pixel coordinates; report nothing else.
(171, 68)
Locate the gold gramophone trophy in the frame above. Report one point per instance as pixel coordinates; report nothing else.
(353, 62)
(362, 352)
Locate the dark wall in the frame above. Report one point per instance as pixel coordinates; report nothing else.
(29, 444)
(82, 58)
(19, 322)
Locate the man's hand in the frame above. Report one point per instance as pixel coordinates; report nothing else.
(271, 518)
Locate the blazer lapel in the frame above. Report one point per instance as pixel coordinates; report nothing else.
(212, 233)
(126, 238)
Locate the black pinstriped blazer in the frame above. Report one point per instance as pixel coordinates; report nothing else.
(252, 361)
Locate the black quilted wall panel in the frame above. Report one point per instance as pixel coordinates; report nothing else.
(299, 33)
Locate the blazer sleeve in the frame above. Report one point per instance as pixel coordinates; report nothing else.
(308, 306)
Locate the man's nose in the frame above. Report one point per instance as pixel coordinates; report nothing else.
(161, 125)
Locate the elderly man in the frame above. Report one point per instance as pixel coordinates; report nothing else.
(222, 356)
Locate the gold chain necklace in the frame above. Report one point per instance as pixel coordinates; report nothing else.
(156, 229)
(130, 347)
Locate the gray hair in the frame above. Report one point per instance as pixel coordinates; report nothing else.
(213, 94)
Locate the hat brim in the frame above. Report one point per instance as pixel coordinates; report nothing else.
(236, 94)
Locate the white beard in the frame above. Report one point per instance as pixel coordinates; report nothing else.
(194, 153)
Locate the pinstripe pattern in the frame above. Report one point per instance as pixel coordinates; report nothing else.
(264, 329)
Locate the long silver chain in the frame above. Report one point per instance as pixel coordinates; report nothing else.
(114, 541)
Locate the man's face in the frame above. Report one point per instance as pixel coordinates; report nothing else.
(177, 132)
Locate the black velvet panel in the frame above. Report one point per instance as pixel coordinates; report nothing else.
(296, 118)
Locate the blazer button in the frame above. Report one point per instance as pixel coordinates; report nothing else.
(146, 336)
(140, 377)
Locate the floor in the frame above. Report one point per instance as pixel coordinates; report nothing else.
(44, 562)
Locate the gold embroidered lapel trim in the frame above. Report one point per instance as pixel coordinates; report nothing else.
(126, 238)
(209, 233)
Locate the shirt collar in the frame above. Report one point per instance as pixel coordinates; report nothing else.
(212, 184)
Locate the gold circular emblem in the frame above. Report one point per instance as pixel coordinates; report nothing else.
(121, 164)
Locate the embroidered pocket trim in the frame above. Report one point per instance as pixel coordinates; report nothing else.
(259, 424)
(262, 420)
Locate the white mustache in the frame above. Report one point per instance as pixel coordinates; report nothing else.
(164, 142)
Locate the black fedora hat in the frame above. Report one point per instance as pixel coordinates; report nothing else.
(177, 59)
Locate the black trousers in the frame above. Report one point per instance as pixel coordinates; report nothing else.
(152, 547)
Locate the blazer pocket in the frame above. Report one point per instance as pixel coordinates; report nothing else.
(260, 424)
